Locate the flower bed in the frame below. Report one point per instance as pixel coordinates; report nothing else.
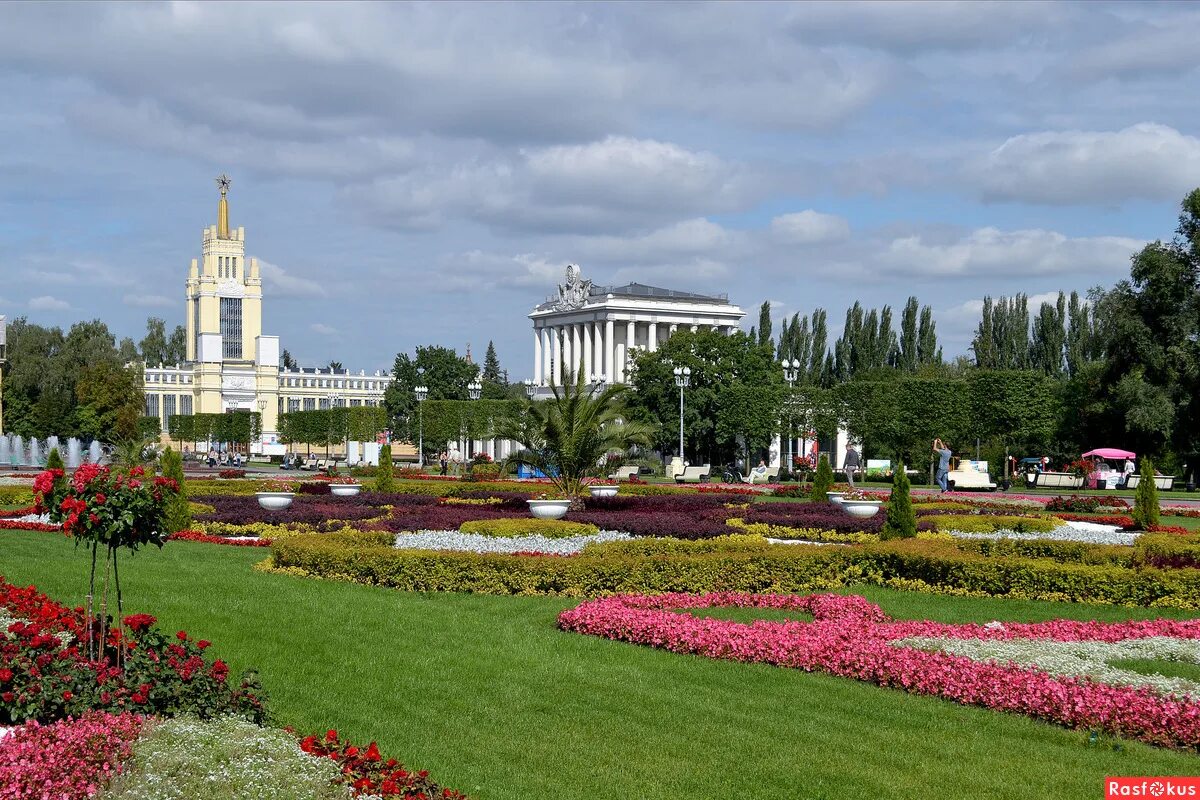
(548, 528)
(852, 638)
(366, 771)
(200, 536)
(66, 760)
(231, 473)
(511, 545)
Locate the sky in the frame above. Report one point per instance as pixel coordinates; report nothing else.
(413, 174)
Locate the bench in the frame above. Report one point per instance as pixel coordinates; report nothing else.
(1164, 482)
(694, 474)
(771, 474)
(624, 473)
(1057, 480)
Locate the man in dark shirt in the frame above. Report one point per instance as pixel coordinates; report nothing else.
(851, 463)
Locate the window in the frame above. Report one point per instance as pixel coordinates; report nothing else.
(293, 404)
(324, 403)
(185, 405)
(151, 405)
(310, 404)
(168, 410)
(231, 326)
(356, 403)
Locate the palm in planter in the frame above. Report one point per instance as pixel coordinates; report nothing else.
(568, 437)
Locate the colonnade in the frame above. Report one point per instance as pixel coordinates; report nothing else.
(594, 348)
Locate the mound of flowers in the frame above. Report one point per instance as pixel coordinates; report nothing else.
(70, 758)
(851, 637)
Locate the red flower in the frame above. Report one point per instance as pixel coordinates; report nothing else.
(203, 643)
(100, 498)
(140, 622)
(181, 636)
(67, 695)
(5, 675)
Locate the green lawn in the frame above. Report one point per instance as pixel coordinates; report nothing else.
(488, 695)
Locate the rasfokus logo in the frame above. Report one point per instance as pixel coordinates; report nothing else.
(1151, 787)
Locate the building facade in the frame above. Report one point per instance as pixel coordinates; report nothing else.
(231, 365)
(597, 329)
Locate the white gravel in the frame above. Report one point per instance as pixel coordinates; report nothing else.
(1089, 532)
(42, 518)
(477, 543)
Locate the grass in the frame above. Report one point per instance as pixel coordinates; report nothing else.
(490, 697)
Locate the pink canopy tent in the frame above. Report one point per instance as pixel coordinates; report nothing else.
(1110, 452)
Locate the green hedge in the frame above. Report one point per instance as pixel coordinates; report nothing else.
(15, 495)
(988, 523)
(515, 526)
(923, 565)
(1165, 549)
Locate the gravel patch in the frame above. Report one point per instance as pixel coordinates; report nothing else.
(805, 541)
(1089, 532)
(476, 543)
(42, 518)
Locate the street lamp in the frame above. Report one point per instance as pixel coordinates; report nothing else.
(530, 388)
(422, 391)
(683, 377)
(335, 400)
(791, 371)
(474, 391)
(262, 409)
(598, 382)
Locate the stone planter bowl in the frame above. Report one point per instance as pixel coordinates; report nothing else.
(549, 509)
(604, 491)
(345, 489)
(862, 508)
(835, 497)
(274, 501)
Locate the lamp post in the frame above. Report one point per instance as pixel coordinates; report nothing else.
(530, 389)
(422, 391)
(474, 391)
(335, 400)
(683, 377)
(262, 409)
(598, 382)
(791, 371)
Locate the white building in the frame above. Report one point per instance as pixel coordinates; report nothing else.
(596, 329)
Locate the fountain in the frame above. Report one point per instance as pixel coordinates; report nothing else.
(18, 451)
(74, 453)
(5, 450)
(35, 455)
(94, 451)
(53, 444)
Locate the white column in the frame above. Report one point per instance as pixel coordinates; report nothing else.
(576, 349)
(537, 356)
(695, 328)
(652, 337)
(674, 328)
(556, 371)
(598, 348)
(610, 350)
(586, 330)
(568, 351)
(547, 356)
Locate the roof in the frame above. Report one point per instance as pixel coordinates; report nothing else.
(654, 292)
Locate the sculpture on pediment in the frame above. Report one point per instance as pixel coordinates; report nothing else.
(574, 293)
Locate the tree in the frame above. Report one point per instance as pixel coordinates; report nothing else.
(901, 522)
(1050, 338)
(54, 459)
(111, 401)
(495, 381)
(177, 346)
(908, 359)
(764, 323)
(822, 481)
(446, 374)
(287, 362)
(178, 514)
(384, 477)
(569, 436)
(154, 343)
(127, 351)
(1145, 501)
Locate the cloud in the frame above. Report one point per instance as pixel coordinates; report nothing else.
(809, 227)
(283, 284)
(47, 303)
(990, 252)
(323, 329)
(148, 301)
(1145, 161)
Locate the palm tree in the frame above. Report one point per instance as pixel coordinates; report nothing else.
(569, 436)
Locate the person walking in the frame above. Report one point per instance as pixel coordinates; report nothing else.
(851, 463)
(444, 461)
(943, 469)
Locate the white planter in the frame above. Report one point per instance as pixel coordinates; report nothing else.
(835, 497)
(604, 491)
(345, 489)
(862, 508)
(274, 501)
(549, 509)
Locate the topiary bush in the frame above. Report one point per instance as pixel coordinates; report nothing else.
(178, 514)
(385, 480)
(822, 481)
(54, 460)
(550, 528)
(901, 522)
(1145, 501)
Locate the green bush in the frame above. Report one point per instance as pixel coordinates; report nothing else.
(507, 527)
(912, 564)
(733, 543)
(1167, 550)
(1145, 500)
(178, 515)
(226, 759)
(385, 480)
(988, 523)
(822, 481)
(16, 496)
(54, 460)
(1062, 552)
(901, 522)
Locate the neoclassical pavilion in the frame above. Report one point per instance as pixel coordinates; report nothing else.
(595, 329)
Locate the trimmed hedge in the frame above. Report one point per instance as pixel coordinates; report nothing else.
(987, 523)
(733, 543)
(922, 565)
(1168, 550)
(14, 495)
(550, 528)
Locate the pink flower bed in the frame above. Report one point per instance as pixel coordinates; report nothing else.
(851, 637)
(66, 760)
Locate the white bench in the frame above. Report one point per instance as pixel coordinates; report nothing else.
(694, 474)
(624, 473)
(1057, 480)
(771, 474)
(1164, 482)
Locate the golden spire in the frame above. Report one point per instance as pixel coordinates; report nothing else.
(223, 183)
